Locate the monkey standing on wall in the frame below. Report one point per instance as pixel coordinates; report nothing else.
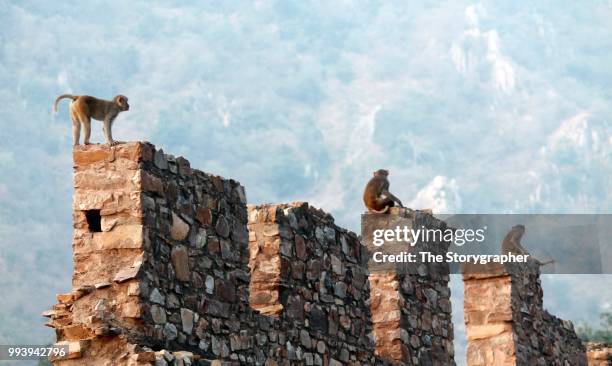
(376, 195)
(83, 108)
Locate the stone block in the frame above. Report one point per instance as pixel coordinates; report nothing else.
(180, 262)
(179, 229)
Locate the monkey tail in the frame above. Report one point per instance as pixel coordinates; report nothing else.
(63, 96)
(384, 210)
(546, 263)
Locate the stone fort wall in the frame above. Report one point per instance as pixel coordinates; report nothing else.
(171, 267)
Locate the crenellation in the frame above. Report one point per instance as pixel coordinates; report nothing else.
(307, 272)
(506, 322)
(171, 267)
(599, 354)
(410, 302)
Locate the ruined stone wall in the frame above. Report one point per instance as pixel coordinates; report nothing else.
(488, 319)
(162, 275)
(410, 302)
(195, 292)
(171, 269)
(599, 354)
(160, 255)
(101, 319)
(308, 272)
(506, 323)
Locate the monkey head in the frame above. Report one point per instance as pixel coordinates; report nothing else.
(122, 102)
(519, 230)
(381, 173)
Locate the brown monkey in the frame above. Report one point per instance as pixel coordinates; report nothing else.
(376, 195)
(512, 244)
(83, 108)
(512, 241)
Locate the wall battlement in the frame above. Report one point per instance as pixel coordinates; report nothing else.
(160, 261)
(599, 354)
(308, 272)
(506, 323)
(410, 302)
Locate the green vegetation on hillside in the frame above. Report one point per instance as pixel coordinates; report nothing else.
(602, 334)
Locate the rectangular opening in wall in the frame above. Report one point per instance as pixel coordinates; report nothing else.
(94, 220)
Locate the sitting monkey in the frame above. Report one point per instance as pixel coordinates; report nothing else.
(512, 244)
(512, 241)
(83, 108)
(376, 195)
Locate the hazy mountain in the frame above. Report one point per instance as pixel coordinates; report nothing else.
(494, 107)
